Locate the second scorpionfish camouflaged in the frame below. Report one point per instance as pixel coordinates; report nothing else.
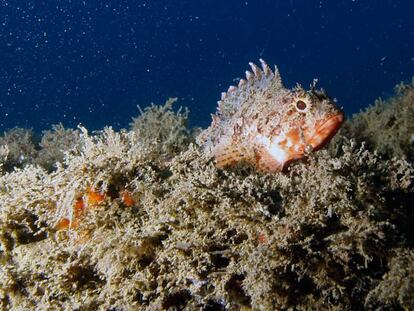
(265, 125)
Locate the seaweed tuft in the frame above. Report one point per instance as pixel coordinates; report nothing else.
(387, 125)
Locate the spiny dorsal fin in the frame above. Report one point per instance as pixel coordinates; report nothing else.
(266, 69)
(256, 71)
(277, 79)
(256, 75)
(249, 76)
(241, 83)
(258, 79)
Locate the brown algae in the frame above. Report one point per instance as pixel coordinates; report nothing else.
(334, 231)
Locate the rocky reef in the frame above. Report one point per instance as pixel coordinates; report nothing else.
(152, 224)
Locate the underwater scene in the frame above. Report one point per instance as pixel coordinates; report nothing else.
(207, 155)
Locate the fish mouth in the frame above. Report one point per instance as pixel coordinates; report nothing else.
(326, 131)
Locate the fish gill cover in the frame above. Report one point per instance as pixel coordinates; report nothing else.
(142, 218)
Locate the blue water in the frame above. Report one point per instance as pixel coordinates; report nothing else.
(92, 62)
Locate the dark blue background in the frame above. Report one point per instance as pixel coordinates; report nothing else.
(92, 62)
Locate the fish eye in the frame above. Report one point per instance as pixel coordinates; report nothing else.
(301, 105)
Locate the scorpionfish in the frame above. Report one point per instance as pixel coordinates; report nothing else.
(265, 125)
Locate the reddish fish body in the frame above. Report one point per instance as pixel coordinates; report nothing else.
(265, 125)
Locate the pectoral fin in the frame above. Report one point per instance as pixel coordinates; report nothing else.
(266, 163)
(230, 155)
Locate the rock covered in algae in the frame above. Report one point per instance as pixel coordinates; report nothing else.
(334, 231)
(20, 147)
(387, 126)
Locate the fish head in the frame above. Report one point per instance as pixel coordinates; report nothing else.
(310, 120)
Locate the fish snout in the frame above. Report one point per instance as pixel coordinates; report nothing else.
(325, 130)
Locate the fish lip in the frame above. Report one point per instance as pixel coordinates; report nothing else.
(333, 123)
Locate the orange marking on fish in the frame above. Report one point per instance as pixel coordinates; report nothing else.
(127, 199)
(79, 207)
(91, 199)
(62, 224)
(94, 198)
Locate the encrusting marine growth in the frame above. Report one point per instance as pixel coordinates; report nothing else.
(262, 123)
(144, 219)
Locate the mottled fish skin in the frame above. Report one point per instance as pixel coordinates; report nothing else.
(265, 125)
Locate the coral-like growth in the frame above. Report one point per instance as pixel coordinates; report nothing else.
(20, 146)
(55, 143)
(160, 126)
(388, 125)
(4, 152)
(400, 278)
(149, 228)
